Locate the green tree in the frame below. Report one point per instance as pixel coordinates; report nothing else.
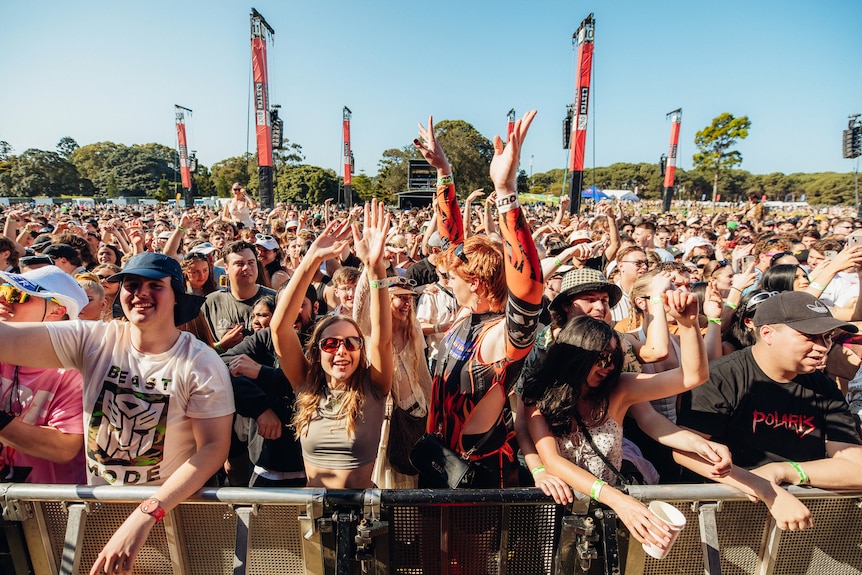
(66, 146)
(306, 184)
(715, 142)
(5, 151)
(364, 187)
(235, 169)
(392, 172)
(40, 173)
(204, 184)
(469, 153)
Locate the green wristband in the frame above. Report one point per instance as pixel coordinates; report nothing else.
(803, 477)
(596, 489)
(817, 286)
(537, 471)
(730, 304)
(445, 180)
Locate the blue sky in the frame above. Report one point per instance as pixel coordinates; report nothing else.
(113, 71)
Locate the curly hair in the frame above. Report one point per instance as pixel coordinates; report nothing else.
(314, 389)
(561, 381)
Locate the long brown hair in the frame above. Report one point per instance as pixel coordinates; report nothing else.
(315, 387)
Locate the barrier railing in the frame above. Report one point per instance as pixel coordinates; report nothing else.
(460, 532)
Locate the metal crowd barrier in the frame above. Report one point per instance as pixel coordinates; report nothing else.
(57, 529)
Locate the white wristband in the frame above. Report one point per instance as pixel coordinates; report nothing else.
(507, 202)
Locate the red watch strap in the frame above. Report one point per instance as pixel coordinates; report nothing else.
(154, 508)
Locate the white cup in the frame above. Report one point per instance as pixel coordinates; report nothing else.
(675, 521)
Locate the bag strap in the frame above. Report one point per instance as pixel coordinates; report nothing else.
(598, 451)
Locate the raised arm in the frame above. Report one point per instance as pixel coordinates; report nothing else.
(449, 221)
(285, 340)
(523, 270)
(369, 247)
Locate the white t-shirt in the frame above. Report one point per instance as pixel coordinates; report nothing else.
(138, 408)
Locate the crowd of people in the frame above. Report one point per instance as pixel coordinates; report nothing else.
(314, 346)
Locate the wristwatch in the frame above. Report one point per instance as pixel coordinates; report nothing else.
(153, 507)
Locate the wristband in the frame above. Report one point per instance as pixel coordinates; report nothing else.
(817, 286)
(656, 299)
(6, 419)
(537, 471)
(730, 304)
(803, 477)
(557, 262)
(182, 229)
(507, 202)
(218, 347)
(596, 489)
(447, 180)
(713, 320)
(374, 284)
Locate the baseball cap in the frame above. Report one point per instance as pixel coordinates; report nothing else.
(266, 241)
(800, 311)
(50, 282)
(291, 224)
(204, 248)
(583, 280)
(157, 266)
(62, 251)
(434, 240)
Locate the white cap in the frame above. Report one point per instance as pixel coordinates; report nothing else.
(51, 282)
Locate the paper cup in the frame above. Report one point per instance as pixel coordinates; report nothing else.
(674, 519)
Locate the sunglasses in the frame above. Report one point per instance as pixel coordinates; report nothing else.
(195, 256)
(13, 295)
(237, 189)
(459, 253)
(605, 359)
(722, 263)
(331, 344)
(759, 298)
(264, 237)
(443, 275)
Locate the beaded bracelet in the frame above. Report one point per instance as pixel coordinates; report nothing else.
(803, 477)
(537, 471)
(596, 489)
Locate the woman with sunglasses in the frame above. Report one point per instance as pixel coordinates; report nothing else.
(341, 384)
(270, 255)
(485, 348)
(238, 209)
(581, 391)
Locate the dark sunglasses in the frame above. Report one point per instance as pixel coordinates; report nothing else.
(443, 275)
(331, 344)
(722, 263)
(36, 261)
(605, 359)
(459, 253)
(195, 256)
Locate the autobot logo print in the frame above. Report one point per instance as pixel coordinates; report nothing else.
(125, 439)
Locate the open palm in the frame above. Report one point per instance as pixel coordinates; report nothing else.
(369, 244)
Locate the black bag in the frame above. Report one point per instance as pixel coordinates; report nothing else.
(404, 431)
(438, 466)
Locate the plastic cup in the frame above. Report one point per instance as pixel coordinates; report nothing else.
(675, 521)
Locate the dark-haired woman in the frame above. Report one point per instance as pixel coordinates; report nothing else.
(341, 384)
(581, 386)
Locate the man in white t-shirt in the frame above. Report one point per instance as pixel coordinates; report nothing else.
(158, 403)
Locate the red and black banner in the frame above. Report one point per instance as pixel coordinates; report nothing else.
(183, 149)
(262, 119)
(347, 157)
(584, 39)
(676, 120)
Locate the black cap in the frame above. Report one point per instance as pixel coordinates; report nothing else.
(801, 311)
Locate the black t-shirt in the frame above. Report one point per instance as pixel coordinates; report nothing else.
(762, 420)
(423, 272)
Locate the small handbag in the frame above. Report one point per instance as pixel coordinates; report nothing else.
(439, 467)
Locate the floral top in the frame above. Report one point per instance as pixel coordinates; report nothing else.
(607, 436)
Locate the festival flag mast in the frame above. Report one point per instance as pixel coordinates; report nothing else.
(183, 153)
(260, 30)
(583, 38)
(676, 119)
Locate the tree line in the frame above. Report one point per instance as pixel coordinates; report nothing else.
(107, 169)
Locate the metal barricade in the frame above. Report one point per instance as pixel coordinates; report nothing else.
(417, 532)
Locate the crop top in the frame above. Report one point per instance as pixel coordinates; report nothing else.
(326, 443)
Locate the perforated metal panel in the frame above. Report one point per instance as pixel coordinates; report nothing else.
(276, 545)
(740, 528)
(103, 521)
(55, 519)
(209, 538)
(532, 536)
(832, 547)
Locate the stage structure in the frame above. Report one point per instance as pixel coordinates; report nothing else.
(184, 159)
(583, 38)
(675, 119)
(348, 158)
(260, 30)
